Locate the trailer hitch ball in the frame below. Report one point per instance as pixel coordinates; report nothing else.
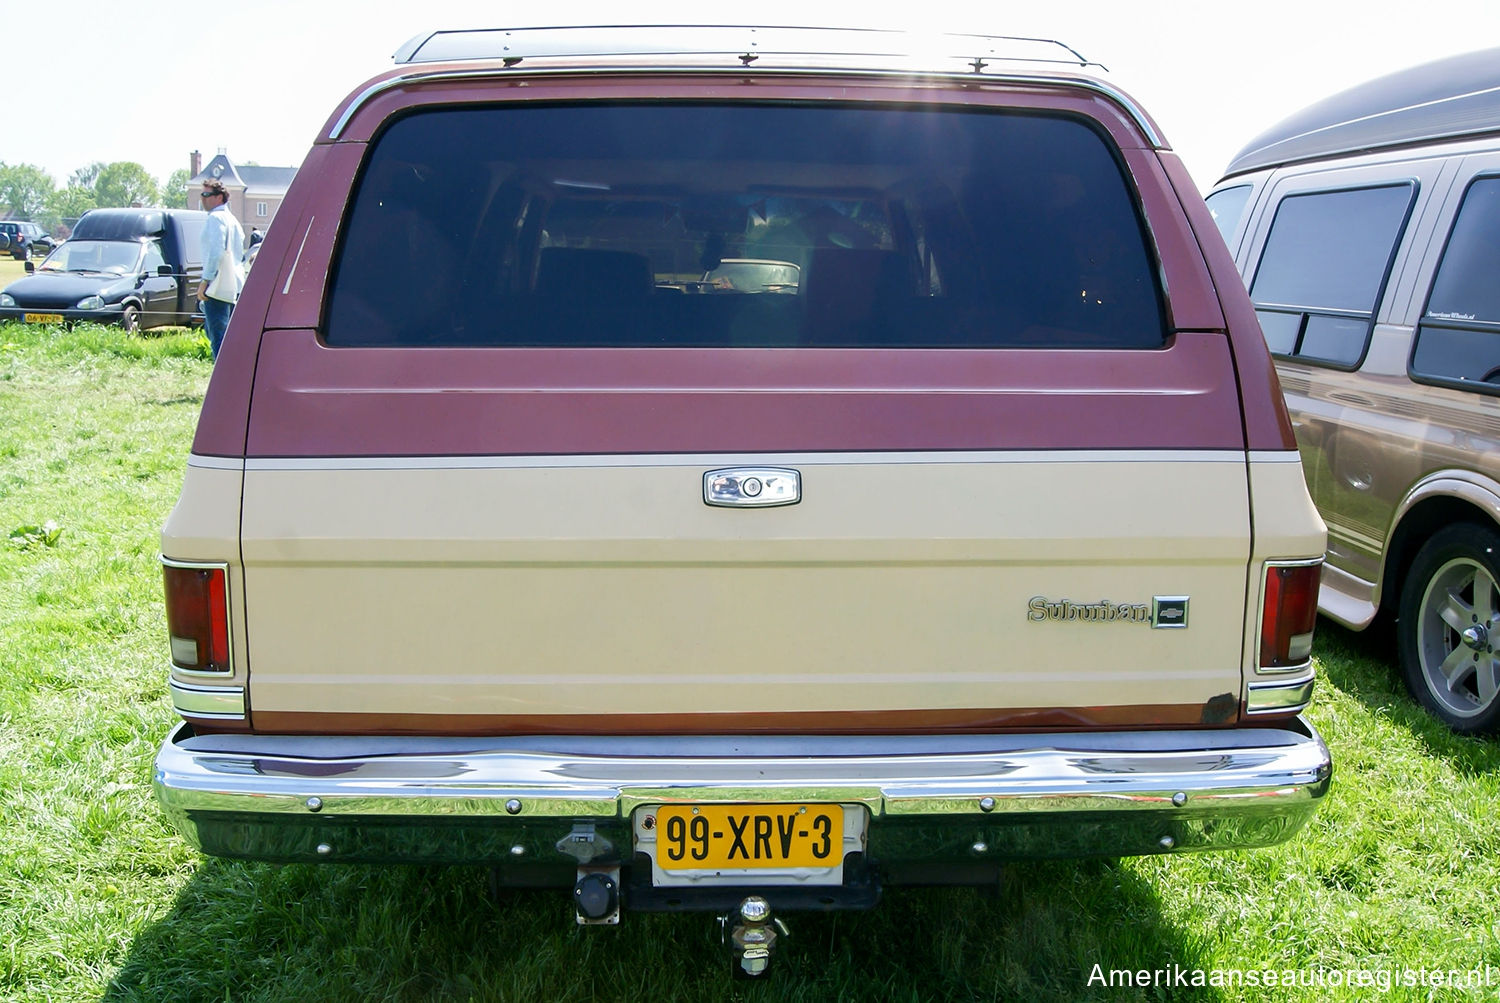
(754, 936)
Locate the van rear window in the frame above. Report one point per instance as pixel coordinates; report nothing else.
(691, 225)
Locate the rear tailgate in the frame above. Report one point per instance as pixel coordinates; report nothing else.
(979, 541)
(474, 495)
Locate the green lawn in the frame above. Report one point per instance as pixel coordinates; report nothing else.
(10, 269)
(99, 899)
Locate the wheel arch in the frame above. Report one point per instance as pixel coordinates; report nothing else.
(134, 302)
(1436, 501)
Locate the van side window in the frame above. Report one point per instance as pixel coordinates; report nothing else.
(733, 225)
(1458, 337)
(1323, 269)
(1226, 206)
(190, 237)
(154, 258)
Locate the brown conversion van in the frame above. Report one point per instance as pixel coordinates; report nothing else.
(1367, 228)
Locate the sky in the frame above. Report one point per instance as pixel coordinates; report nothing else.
(150, 83)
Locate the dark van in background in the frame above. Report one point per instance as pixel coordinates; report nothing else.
(134, 267)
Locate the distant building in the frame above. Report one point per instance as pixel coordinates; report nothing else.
(255, 193)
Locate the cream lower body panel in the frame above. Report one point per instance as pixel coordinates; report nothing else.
(605, 586)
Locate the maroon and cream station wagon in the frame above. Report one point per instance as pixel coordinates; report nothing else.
(506, 539)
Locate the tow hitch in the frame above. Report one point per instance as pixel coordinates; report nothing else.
(596, 896)
(753, 939)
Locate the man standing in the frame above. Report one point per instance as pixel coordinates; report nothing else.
(221, 232)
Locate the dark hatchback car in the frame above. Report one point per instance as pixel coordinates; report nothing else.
(23, 241)
(132, 267)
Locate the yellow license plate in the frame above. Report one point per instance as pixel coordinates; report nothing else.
(738, 835)
(42, 318)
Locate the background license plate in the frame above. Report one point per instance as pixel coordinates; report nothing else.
(765, 835)
(42, 318)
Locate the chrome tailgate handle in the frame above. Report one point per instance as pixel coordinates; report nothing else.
(752, 487)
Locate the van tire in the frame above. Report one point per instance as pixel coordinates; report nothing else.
(1448, 627)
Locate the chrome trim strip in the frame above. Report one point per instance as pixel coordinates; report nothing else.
(1273, 771)
(1108, 91)
(219, 702)
(1284, 670)
(594, 461)
(1274, 456)
(204, 674)
(216, 462)
(172, 562)
(287, 288)
(1279, 697)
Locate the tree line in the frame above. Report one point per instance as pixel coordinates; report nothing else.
(28, 192)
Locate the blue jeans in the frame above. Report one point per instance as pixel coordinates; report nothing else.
(216, 321)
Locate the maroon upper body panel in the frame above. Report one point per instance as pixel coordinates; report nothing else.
(1267, 424)
(313, 400)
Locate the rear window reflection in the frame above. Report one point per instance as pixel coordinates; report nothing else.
(742, 226)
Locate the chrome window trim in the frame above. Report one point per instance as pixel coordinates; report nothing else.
(1113, 94)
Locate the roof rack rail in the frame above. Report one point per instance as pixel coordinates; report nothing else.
(496, 52)
(743, 44)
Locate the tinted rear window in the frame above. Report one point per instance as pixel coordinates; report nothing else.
(735, 225)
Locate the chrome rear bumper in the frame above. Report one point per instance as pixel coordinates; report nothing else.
(929, 799)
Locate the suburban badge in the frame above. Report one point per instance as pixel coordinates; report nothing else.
(1164, 611)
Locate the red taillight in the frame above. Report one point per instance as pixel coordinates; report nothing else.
(197, 618)
(1289, 615)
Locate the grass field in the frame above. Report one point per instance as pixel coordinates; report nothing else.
(100, 900)
(10, 269)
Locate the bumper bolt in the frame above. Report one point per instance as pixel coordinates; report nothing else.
(1166, 842)
(324, 849)
(314, 804)
(1179, 799)
(518, 850)
(986, 804)
(513, 806)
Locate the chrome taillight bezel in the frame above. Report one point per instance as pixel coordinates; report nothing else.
(213, 667)
(1296, 654)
